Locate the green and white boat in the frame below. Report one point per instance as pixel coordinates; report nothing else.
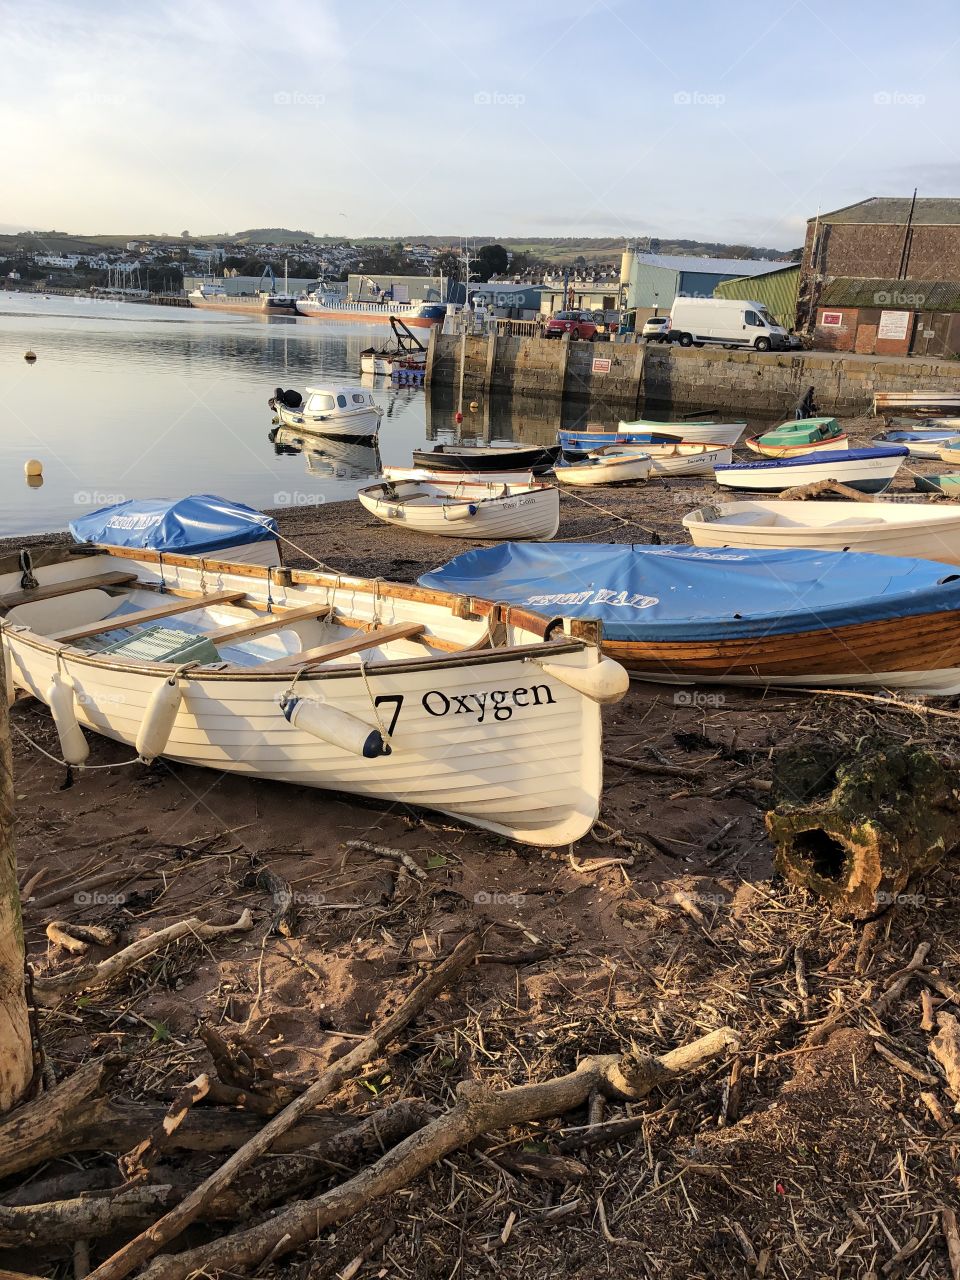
(802, 436)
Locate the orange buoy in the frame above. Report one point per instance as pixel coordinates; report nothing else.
(33, 467)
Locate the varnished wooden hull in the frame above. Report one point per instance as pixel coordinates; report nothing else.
(920, 653)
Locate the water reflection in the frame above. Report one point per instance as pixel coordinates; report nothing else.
(326, 456)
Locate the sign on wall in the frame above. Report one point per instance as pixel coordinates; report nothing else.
(894, 325)
(832, 319)
(601, 364)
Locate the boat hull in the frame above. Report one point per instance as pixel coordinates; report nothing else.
(523, 516)
(867, 476)
(534, 458)
(917, 653)
(690, 464)
(605, 470)
(949, 483)
(530, 770)
(354, 425)
(755, 445)
(372, 313)
(692, 432)
(921, 533)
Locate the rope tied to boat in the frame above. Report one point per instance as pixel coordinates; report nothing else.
(595, 506)
(120, 764)
(373, 702)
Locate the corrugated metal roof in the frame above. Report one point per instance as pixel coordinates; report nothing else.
(895, 210)
(711, 266)
(904, 295)
(776, 289)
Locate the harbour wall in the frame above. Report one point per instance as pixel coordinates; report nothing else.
(622, 377)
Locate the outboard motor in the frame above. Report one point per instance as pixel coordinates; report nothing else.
(292, 399)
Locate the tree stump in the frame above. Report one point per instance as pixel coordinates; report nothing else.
(856, 831)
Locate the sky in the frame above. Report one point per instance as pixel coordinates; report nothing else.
(511, 118)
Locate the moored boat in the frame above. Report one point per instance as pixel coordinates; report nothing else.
(607, 466)
(738, 616)
(458, 508)
(324, 306)
(925, 402)
(715, 433)
(445, 476)
(505, 456)
(919, 444)
(803, 436)
(200, 525)
(321, 680)
(868, 470)
(950, 451)
(406, 351)
(351, 413)
(925, 531)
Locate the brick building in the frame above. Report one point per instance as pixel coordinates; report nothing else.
(883, 276)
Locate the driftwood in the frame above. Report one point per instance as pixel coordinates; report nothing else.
(476, 1112)
(50, 991)
(89, 1216)
(79, 1116)
(856, 831)
(802, 491)
(144, 1246)
(136, 1164)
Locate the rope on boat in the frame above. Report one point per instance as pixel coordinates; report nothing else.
(58, 760)
(938, 488)
(373, 703)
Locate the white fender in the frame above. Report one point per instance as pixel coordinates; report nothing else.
(459, 510)
(60, 698)
(608, 681)
(158, 720)
(339, 728)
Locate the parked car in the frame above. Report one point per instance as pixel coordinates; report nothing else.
(656, 329)
(579, 324)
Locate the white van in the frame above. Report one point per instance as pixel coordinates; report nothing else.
(732, 322)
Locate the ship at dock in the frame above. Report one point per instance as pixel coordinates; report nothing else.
(321, 305)
(214, 296)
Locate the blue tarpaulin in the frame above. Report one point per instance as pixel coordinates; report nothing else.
(688, 593)
(191, 526)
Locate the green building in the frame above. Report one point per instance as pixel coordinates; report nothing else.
(777, 290)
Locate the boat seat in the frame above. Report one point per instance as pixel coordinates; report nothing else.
(123, 620)
(344, 648)
(53, 589)
(238, 632)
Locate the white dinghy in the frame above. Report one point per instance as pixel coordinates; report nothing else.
(606, 466)
(687, 459)
(920, 531)
(483, 712)
(467, 509)
(439, 476)
(349, 413)
(868, 470)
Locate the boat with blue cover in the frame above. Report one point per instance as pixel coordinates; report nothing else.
(199, 525)
(867, 470)
(920, 444)
(759, 617)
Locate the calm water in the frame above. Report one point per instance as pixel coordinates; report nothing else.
(131, 401)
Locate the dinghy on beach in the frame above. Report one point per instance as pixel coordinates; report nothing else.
(321, 680)
(703, 615)
(868, 470)
(688, 460)
(458, 508)
(711, 433)
(606, 466)
(919, 444)
(201, 525)
(925, 531)
(506, 456)
(792, 439)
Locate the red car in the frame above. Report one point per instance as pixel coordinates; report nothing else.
(579, 324)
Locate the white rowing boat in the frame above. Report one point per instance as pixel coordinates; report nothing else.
(606, 466)
(463, 509)
(915, 401)
(401, 693)
(687, 459)
(701, 432)
(921, 531)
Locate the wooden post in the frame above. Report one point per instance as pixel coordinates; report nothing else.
(16, 1054)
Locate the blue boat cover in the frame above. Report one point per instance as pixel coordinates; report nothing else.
(690, 593)
(917, 437)
(826, 456)
(191, 525)
(590, 439)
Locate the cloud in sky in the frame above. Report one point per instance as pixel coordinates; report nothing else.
(605, 117)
